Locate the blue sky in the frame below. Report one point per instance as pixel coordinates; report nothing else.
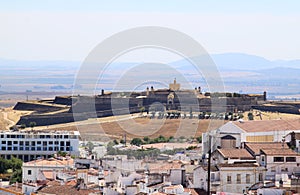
(228, 6)
(69, 30)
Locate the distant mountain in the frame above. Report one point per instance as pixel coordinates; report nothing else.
(240, 61)
(240, 72)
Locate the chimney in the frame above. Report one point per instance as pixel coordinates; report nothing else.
(152, 90)
(147, 92)
(199, 90)
(102, 92)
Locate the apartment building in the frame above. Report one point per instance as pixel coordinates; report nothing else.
(30, 145)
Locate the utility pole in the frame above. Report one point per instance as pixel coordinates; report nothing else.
(208, 165)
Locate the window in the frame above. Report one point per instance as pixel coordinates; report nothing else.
(2, 136)
(284, 169)
(21, 143)
(51, 142)
(260, 177)
(9, 143)
(247, 178)
(238, 178)
(68, 143)
(228, 178)
(278, 159)
(8, 148)
(39, 142)
(3, 148)
(3, 142)
(15, 148)
(66, 136)
(56, 142)
(33, 143)
(27, 143)
(15, 142)
(290, 159)
(44, 143)
(29, 172)
(62, 143)
(50, 148)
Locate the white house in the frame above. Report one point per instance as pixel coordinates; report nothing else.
(231, 155)
(32, 172)
(200, 177)
(233, 134)
(238, 177)
(280, 162)
(234, 178)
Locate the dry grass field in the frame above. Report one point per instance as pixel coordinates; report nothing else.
(141, 127)
(103, 129)
(9, 117)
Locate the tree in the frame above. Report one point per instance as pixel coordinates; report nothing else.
(142, 109)
(32, 125)
(116, 142)
(15, 165)
(199, 139)
(122, 141)
(171, 139)
(3, 165)
(16, 177)
(136, 141)
(23, 126)
(146, 139)
(162, 139)
(61, 153)
(250, 116)
(241, 115)
(90, 146)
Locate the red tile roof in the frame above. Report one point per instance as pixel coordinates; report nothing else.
(281, 152)
(256, 147)
(51, 162)
(269, 125)
(65, 190)
(235, 153)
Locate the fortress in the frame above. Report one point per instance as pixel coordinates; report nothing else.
(62, 109)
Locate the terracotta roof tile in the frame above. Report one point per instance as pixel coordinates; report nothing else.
(51, 162)
(235, 153)
(256, 147)
(269, 125)
(48, 174)
(282, 152)
(65, 190)
(240, 164)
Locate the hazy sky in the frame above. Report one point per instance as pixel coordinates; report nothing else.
(69, 30)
